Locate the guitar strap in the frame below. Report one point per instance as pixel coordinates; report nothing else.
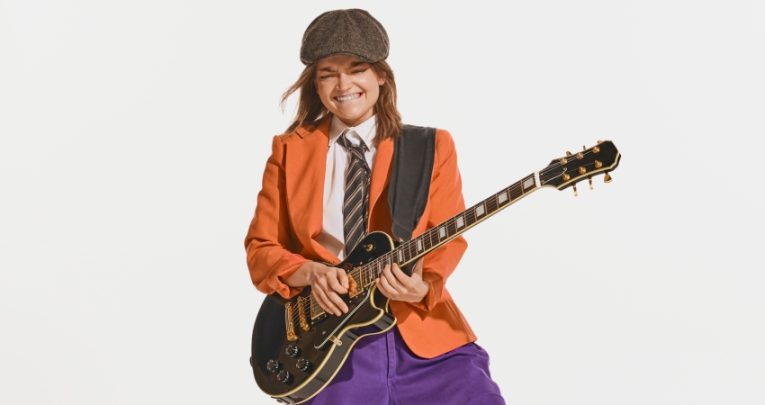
(413, 156)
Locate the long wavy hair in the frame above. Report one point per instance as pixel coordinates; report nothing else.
(311, 111)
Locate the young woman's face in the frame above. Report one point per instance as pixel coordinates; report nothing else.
(348, 87)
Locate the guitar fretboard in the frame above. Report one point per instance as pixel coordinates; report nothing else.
(410, 251)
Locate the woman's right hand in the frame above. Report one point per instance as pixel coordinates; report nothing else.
(327, 284)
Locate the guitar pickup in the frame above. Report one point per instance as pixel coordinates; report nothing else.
(302, 319)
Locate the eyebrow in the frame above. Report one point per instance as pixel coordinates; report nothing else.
(353, 65)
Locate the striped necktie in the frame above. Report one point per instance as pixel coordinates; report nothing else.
(356, 198)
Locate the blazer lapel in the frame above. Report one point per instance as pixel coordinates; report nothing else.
(305, 166)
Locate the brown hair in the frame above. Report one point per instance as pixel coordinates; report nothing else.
(311, 111)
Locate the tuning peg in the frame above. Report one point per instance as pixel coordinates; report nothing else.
(576, 193)
(607, 178)
(589, 179)
(568, 153)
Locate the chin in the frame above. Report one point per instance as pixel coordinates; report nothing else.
(350, 118)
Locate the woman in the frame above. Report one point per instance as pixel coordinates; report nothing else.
(340, 146)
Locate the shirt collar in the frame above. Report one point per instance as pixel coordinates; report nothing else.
(366, 130)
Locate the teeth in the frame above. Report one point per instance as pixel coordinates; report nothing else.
(348, 97)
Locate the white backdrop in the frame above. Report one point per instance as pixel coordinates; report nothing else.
(133, 136)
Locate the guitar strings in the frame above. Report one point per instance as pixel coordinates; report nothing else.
(310, 304)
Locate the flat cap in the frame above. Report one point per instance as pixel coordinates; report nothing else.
(350, 32)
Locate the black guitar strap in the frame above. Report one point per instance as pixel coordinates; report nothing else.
(413, 156)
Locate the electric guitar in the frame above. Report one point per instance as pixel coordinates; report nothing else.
(297, 348)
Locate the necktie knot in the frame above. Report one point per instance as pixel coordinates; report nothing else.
(349, 146)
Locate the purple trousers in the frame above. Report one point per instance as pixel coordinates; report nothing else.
(381, 370)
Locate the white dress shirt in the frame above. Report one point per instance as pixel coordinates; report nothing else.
(332, 235)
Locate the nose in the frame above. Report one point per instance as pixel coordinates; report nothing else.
(344, 82)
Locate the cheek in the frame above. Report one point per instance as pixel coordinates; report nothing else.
(375, 92)
(324, 94)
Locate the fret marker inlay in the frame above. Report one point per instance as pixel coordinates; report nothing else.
(460, 222)
(441, 232)
(502, 197)
(479, 210)
(419, 245)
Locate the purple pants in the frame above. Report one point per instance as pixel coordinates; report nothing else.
(381, 370)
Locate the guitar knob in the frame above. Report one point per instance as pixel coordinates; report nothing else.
(284, 377)
(292, 351)
(273, 366)
(303, 365)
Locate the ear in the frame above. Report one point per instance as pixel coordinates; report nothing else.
(380, 81)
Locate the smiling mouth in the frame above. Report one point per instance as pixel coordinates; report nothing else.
(347, 97)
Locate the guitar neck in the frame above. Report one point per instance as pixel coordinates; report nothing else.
(412, 250)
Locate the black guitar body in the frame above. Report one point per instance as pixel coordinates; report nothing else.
(294, 370)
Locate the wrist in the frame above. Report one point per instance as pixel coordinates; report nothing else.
(304, 275)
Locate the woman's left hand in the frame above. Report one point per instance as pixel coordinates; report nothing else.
(396, 285)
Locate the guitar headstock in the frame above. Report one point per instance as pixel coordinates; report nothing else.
(574, 167)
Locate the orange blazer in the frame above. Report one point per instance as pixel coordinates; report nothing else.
(288, 219)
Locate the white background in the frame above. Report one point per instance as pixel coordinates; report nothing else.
(133, 136)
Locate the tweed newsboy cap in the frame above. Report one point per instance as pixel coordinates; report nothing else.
(350, 32)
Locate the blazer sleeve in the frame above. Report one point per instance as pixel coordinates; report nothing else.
(269, 242)
(445, 200)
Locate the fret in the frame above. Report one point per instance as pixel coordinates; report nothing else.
(470, 217)
(491, 204)
(515, 191)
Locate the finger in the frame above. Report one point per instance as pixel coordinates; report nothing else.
(389, 287)
(402, 278)
(339, 303)
(324, 302)
(385, 289)
(335, 284)
(343, 277)
(388, 276)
